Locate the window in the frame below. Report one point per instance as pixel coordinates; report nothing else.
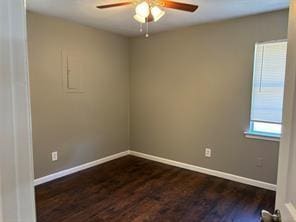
(268, 89)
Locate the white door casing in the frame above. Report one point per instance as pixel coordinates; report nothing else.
(16, 159)
(1, 216)
(286, 176)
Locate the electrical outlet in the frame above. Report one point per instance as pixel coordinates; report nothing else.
(54, 156)
(208, 152)
(259, 162)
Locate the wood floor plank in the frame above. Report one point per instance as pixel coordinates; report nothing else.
(132, 189)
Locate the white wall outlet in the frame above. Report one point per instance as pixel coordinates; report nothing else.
(54, 156)
(208, 152)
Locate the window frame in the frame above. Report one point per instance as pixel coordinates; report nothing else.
(250, 132)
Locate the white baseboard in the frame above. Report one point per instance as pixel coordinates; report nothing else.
(79, 168)
(216, 173)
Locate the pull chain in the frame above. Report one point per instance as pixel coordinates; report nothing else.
(147, 29)
(141, 27)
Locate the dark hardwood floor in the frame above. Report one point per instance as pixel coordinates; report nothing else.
(131, 189)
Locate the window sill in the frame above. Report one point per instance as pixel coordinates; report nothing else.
(262, 136)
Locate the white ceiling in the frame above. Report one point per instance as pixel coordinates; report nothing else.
(120, 20)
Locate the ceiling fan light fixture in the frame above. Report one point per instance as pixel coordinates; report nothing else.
(151, 10)
(143, 9)
(139, 18)
(157, 13)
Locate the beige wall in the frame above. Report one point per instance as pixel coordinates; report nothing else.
(191, 89)
(81, 127)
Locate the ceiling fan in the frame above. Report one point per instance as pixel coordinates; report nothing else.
(151, 10)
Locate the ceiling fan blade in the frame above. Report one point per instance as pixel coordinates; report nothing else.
(178, 5)
(114, 5)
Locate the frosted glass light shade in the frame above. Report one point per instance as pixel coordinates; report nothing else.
(157, 13)
(143, 9)
(139, 18)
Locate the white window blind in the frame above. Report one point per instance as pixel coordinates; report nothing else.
(268, 82)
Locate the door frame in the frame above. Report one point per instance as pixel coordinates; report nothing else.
(288, 140)
(1, 214)
(17, 202)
